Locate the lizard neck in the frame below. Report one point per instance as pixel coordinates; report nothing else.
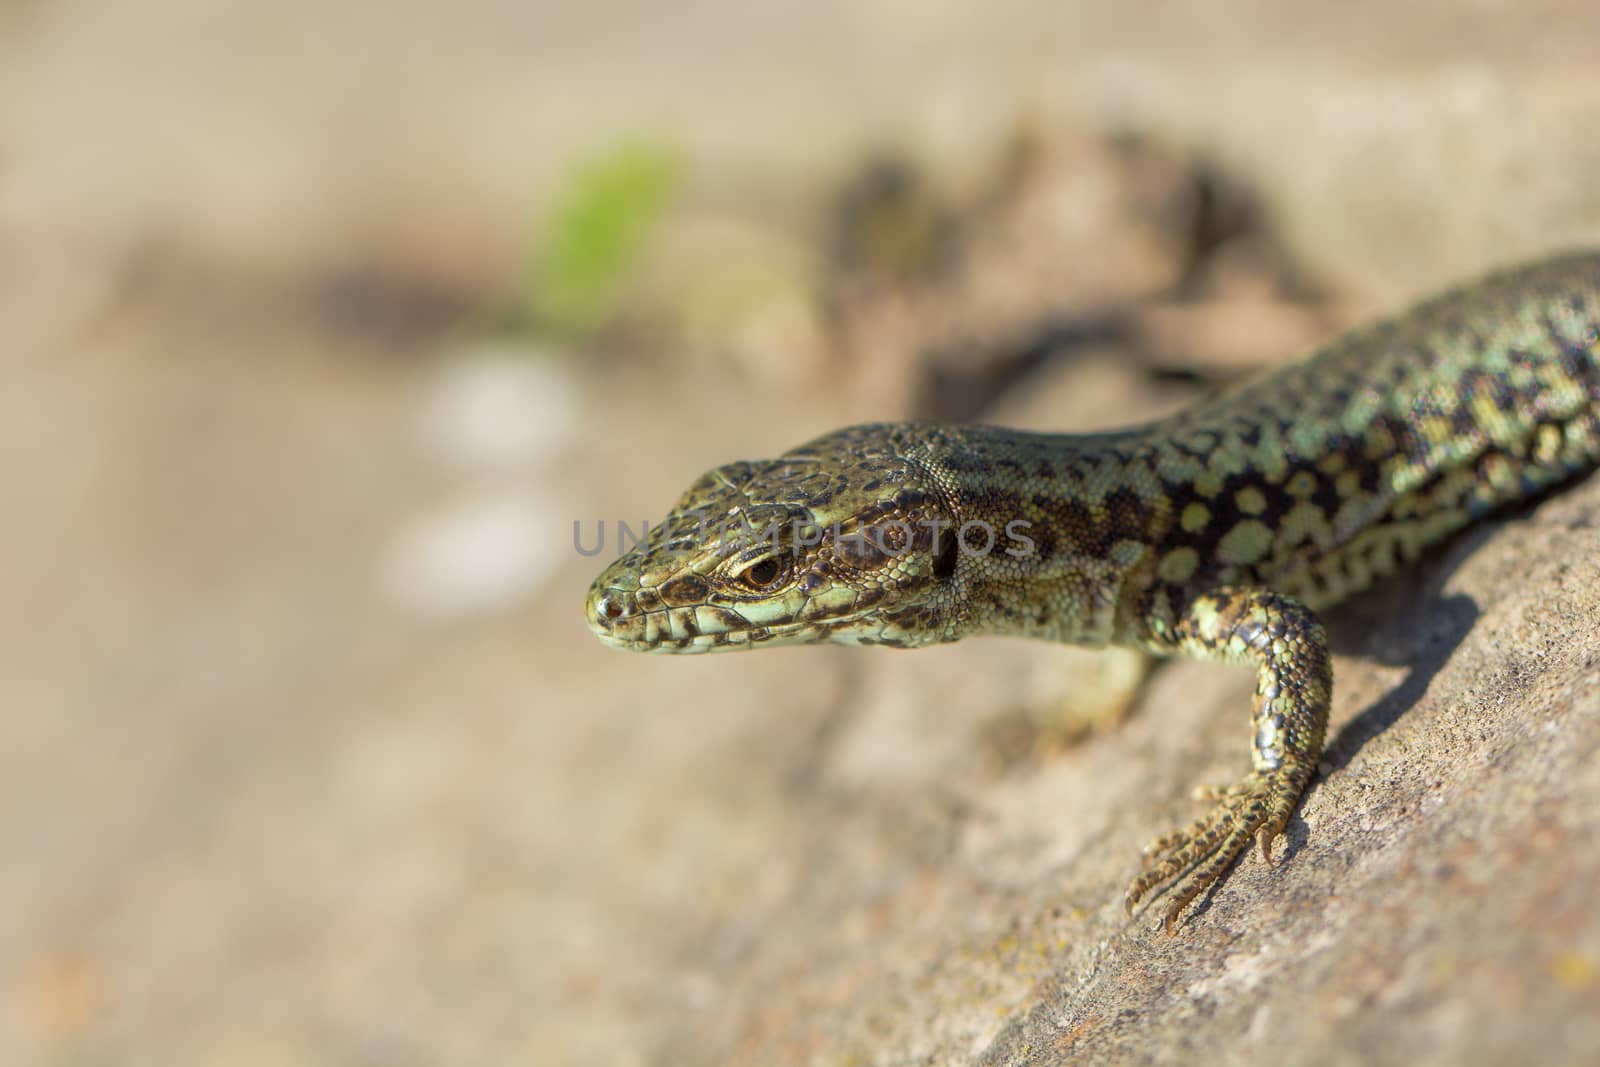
(1054, 530)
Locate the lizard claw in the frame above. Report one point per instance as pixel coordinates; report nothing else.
(1188, 862)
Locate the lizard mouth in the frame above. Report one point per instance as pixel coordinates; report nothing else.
(627, 619)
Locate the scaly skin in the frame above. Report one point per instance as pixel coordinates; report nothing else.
(1218, 533)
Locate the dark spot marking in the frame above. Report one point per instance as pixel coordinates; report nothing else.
(856, 549)
(1044, 542)
(1127, 517)
(910, 499)
(1075, 522)
(684, 590)
(1325, 496)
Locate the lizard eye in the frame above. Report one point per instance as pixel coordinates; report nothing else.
(763, 574)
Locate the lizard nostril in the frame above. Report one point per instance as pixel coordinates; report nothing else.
(608, 609)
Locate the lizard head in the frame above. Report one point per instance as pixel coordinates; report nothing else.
(844, 539)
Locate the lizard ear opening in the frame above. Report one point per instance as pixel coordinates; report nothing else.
(944, 564)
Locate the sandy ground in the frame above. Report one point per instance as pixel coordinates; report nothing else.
(306, 755)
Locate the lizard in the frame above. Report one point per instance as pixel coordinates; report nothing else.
(1219, 533)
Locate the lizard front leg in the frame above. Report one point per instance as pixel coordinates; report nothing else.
(1294, 686)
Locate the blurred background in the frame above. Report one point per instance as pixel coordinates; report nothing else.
(322, 324)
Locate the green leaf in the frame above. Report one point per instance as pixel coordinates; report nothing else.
(596, 231)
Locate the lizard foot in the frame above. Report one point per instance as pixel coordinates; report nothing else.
(1188, 861)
